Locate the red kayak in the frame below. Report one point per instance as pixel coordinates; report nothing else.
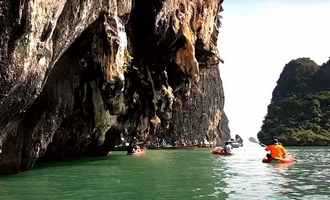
(288, 159)
(220, 151)
(139, 152)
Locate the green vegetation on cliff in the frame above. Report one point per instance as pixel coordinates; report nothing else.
(299, 113)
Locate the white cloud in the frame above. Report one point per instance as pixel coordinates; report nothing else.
(257, 44)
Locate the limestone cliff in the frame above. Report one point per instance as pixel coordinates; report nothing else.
(299, 113)
(79, 77)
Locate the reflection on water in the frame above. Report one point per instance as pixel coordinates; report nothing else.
(177, 175)
(247, 177)
(310, 176)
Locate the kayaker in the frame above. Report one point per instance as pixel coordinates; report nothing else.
(228, 148)
(239, 140)
(137, 149)
(277, 151)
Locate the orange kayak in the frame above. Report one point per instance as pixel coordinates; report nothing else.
(288, 159)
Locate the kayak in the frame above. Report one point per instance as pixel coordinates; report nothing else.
(139, 152)
(220, 151)
(288, 159)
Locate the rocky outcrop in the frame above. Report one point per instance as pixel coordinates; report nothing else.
(79, 77)
(299, 112)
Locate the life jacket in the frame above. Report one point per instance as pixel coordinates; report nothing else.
(277, 151)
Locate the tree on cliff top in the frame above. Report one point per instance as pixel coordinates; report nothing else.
(295, 78)
(299, 111)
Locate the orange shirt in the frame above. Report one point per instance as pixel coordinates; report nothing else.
(277, 151)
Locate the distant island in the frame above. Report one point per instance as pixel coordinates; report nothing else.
(299, 113)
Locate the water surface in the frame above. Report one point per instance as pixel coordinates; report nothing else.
(176, 174)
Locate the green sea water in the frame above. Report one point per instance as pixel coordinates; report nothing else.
(176, 174)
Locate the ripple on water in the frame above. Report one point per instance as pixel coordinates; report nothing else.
(247, 177)
(172, 175)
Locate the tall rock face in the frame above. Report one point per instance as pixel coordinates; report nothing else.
(299, 113)
(79, 77)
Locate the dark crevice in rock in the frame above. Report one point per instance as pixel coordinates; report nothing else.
(13, 16)
(77, 81)
(46, 32)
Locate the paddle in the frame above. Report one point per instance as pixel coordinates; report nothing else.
(254, 140)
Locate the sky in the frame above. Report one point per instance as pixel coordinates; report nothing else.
(258, 38)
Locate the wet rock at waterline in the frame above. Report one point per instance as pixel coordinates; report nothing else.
(79, 77)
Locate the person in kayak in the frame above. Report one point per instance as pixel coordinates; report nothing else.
(228, 148)
(277, 151)
(239, 140)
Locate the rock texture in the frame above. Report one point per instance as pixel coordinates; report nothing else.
(79, 77)
(299, 113)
